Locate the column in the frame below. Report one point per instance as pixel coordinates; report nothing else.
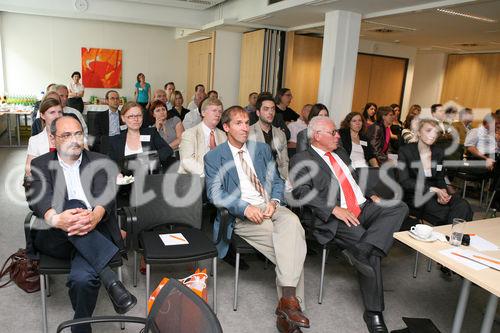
(338, 62)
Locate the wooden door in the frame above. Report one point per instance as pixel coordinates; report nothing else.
(200, 66)
(251, 60)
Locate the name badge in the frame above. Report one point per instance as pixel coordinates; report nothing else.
(363, 143)
(123, 127)
(439, 167)
(145, 138)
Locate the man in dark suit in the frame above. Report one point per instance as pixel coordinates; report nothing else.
(323, 181)
(73, 192)
(242, 176)
(106, 123)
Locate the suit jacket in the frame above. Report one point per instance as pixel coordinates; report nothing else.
(277, 122)
(100, 129)
(117, 146)
(345, 136)
(376, 135)
(304, 172)
(408, 176)
(279, 143)
(302, 141)
(223, 184)
(48, 188)
(193, 148)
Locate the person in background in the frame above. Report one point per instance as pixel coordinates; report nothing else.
(213, 94)
(35, 114)
(252, 100)
(370, 113)
(278, 117)
(481, 141)
(76, 92)
(37, 126)
(396, 127)
(296, 126)
(167, 124)
(464, 123)
(107, 123)
(142, 93)
(40, 144)
(355, 143)
(380, 134)
(169, 90)
(63, 92)
(397, 115)
(193, 117)
(283, 100)
(161, 95)
(410, 128)
(178, 108)
(302, 140)
(199, 95)
(440, 114)
(415, 109)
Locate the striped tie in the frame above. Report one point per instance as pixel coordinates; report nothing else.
(253, 178)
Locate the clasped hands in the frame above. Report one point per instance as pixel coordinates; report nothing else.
(442, 195)
(257, 216)
(78, 221)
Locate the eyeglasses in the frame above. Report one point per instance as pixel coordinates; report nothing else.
(67, 136)
(134, 116)
(332, 133)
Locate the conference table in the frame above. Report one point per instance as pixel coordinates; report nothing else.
(488, 278)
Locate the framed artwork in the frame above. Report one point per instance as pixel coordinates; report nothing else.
(101, 68)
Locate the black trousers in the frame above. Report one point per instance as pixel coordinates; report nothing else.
(438, 214)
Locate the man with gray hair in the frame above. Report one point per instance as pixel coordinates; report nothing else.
(63, 92)
(340, 211)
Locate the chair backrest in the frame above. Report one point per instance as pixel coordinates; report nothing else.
(177, 309)
(149, 161)
(174, 199)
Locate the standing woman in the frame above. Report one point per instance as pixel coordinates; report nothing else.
(142, 96)
(369, 113)
(76, 91)
(355, 142)
(380, 133)
(178, 105)
(168, 125)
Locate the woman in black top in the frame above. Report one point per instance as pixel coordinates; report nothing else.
(283, 100)
(380, 134)
(370, 113)
(396, 127)
(422, 179)
(178, 108)
(355, 142)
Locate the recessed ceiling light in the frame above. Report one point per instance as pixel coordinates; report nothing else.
(399, 27)
(473, 17)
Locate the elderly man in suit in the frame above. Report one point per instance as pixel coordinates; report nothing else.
(106, 123)
(241, 176)
(323, 181)
(264, 131)
(73, 192)
(199, 140)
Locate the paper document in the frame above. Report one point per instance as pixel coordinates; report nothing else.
(173, 239)
(481, 244)
(467, 262)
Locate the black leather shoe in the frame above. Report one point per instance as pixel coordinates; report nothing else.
(361, 263)
(121, 298)
(230, 258)
(375, 322)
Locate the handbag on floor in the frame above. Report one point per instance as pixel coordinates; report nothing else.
(22, 270)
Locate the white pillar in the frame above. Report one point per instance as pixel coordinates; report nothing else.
(338, 62)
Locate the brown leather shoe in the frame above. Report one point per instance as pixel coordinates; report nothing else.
(289, 309)
(284, 326)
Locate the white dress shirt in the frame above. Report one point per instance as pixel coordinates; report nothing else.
(73, 182)
(295, 127)
(191, 119)
(206, 135)
(358, 156)
(360, 198)
(482, 139)
(39, 144)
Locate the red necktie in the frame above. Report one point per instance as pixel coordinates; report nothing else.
(350, 197)
(212, 143)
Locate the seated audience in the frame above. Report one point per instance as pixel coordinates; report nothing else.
(193, 117)
(76, 91)
(83, 223)
(415, 109)
(464, 124)
(302, 139)
(252, 190)
(278, 117)
(296, 126)
(439, 114)
(38, 126)
(264, 131)
(481, 141)
(169, 91)
(355, 143)
(410, 128)
(199, 95)
(35, 114)
(423, 178)
(283, 100)
(341, 212)
(202, 138)
(136, 139)
(396, 127)
(380, 133)
(40, 144)
(178, 108)
(370, 114)
(252, 100)
(213, 94)
(107, 123)
(167, 124)
(63, 92)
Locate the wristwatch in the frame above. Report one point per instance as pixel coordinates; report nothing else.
(275, 203)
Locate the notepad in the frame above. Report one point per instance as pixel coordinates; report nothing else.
(481, 244)
(173, 239)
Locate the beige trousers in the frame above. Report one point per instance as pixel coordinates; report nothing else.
(282, 240)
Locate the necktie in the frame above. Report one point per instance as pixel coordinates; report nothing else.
(212, 143)
(350, 197)
(253, 178)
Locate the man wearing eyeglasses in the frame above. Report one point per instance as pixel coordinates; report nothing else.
(324, 182)
(106, 123)
(73, 193)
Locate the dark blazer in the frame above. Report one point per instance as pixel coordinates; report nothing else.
(174, 112)
(288, 114)
(223, 184)
(48, 188)
(345, 136)
(408, 176)
(100, 129)
(156, 142)
(326, 185)
(376, 135)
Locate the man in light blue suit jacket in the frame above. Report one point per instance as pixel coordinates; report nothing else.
(242, 176)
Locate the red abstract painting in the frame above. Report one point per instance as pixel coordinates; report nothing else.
(101, 68)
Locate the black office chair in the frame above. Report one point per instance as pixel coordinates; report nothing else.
(51, 266)
(163, 214)
(176, 309)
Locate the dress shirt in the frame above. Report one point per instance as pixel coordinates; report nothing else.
(295, 127)
(192, 106)
(114, 122)
(73, 182)
(191, 119)
(482, 139)
(360, 198)
(39, 144)
(206, 135)
(358, 156)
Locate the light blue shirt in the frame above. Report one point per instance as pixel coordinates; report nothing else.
(114, 122)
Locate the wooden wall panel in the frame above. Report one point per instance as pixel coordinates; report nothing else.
(362, 82)
(252, 50)
(200, 66)
(386, 80)
(489, 86)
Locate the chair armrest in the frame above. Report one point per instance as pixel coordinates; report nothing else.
(102, 319)
(224, 223)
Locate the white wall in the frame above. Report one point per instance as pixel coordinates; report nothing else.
(39, 50)
(428, 79)
(227, 66)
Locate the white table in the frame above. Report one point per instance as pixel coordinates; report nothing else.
(97, 108)
(18, 114)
